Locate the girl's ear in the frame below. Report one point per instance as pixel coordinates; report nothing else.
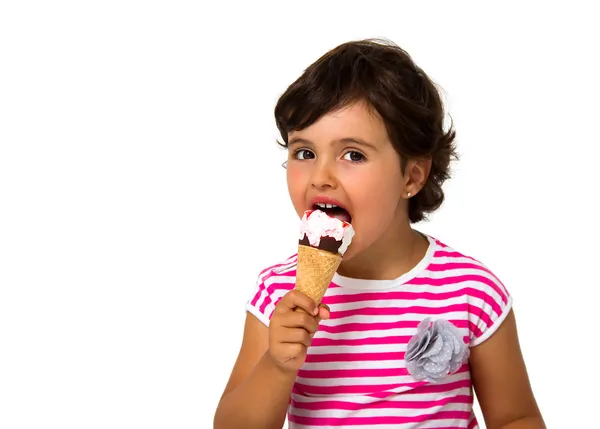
(416, 173)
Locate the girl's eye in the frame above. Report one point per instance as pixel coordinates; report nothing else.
(354, 156)
(303, 154)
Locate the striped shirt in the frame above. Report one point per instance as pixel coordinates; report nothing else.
(355, 373)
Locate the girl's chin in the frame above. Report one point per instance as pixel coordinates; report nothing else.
(350, 253)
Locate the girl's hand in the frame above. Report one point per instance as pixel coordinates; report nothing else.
(291, 332)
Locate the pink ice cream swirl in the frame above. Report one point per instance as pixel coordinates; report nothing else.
(316, 225)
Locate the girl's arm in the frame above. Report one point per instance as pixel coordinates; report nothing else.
(501, 381)
(258, 392)
(259, 388)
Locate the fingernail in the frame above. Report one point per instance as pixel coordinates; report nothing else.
(316, 311)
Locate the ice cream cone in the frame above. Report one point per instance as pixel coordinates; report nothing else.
(315, 270)
(321, 246)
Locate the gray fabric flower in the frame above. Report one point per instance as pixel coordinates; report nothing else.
(436, 350)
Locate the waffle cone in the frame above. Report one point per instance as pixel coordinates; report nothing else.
(315, 271)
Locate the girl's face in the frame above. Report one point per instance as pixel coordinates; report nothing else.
(347, 159)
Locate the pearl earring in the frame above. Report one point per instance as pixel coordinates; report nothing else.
(409, 194)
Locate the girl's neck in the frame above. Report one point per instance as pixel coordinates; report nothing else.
(395, 254)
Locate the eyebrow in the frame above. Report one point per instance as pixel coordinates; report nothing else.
(345, 140)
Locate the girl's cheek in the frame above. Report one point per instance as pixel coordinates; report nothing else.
(294, 178)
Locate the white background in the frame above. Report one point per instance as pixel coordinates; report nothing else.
(141, 190)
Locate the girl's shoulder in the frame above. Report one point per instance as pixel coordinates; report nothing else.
(465, 279)
(449, 266)
(272, 284)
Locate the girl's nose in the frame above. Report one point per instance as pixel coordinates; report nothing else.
(324, 176)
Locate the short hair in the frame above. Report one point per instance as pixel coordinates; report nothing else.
(384, 76)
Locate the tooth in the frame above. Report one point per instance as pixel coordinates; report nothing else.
(326, 206)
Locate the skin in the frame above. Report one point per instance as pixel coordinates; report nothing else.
(347, 155)
(368, 183)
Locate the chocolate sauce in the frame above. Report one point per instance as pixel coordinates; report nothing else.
(328, 244)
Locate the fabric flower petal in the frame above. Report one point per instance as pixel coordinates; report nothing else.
(436, 346)
(418, 346)
(436, 350)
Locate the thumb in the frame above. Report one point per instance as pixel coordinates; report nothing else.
(324, 312)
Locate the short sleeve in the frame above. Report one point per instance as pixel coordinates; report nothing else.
(272, 284)
(489, 304)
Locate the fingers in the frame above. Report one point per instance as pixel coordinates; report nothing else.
(296, 299)
(297, 336)
(324, 312)
(301, 320)
(292, 328)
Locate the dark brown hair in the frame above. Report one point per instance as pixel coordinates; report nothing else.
(385, 76)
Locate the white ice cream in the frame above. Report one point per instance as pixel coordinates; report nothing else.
(316, 224)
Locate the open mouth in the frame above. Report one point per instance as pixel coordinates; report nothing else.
(334, 211)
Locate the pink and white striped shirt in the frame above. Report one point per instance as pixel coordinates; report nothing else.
(355, 374)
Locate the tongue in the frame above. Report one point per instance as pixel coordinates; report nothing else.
(343, 216)
(340, 214)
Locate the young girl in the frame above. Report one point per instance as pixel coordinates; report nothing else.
(409, 327)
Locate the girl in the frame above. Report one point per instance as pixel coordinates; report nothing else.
(409, 327)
